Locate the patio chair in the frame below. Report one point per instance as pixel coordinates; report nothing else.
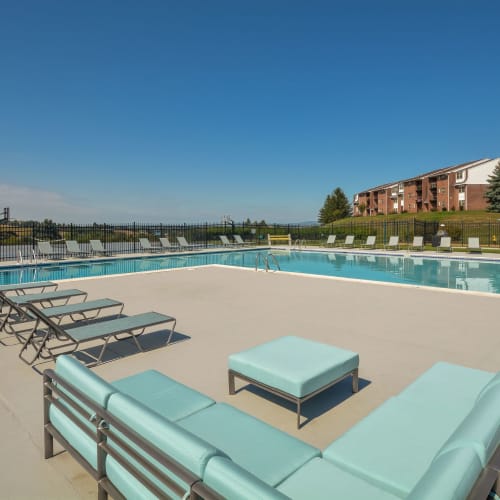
(330, 242)
(349, 241)
(444, 244)
(98, 248)
(370, 242)
(74, 250)
(68, 340)
(147, 247)
(46, 251)
(17, 304)
(183, 243)
(239, 240)
(393, 243)
(225, 241)
(166, 245)
(473, 245)
(418, 243)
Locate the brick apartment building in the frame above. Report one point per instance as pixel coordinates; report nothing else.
(461, 187)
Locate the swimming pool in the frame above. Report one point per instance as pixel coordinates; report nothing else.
(474, 275)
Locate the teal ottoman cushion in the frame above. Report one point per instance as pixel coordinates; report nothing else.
(263, 450)
(393, 446)
(320, 479)
(231, 481)
(165, 396)
(294, 365)
(451, 476)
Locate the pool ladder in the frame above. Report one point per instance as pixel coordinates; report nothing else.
(266, 262)
(33, 260)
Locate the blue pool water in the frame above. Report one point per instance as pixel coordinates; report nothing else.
(416, 270)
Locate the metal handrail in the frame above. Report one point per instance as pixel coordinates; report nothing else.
(274, 259)
(265, 262)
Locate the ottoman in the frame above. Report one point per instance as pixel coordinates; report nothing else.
(294, 368)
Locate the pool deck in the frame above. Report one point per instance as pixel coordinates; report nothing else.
(398, 331)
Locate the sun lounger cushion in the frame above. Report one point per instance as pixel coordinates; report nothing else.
(321, 479)
(165, 396)
(451, 476)
(281, 364)
(96, 389)
(395, 444)
(263, 450)
(232, 481)
(187, 449)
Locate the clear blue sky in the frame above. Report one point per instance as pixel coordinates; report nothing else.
(179, 111)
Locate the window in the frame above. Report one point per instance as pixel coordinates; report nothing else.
(461, 189)
(460, 175)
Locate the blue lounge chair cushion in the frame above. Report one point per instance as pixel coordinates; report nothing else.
(448, 384)
(451, 476)
(480, 429)
(492, 386)
(387, 451)
(165, 396)
(263, 450)
(184, 447)
(294, 365)
(232, 481)
(320, 479)
(96, 389)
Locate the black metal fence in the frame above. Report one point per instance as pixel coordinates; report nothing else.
(20, 240)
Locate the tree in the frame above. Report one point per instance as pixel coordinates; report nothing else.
(492, 195)
(336, 207)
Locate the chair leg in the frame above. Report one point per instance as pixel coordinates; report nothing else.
(355, 380)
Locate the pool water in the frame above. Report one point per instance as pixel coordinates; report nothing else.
(475, 275)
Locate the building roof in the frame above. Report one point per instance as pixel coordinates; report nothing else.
(432, 173)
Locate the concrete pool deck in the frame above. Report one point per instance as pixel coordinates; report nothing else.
(398, 331)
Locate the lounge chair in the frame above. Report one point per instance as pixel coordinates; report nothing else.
(147, 247)
(132, 326)
(393, 243)
(239, 240)
(98, 248)
(418, 243)
(473, 245)
(183, 243)
(349, 241)
(17, 304)
(166, 245)
(370, 242)
(46, 251)
(330, 242)
(74, 250)
(225, 241)
(444, 244)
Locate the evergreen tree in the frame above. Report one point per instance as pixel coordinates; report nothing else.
(336, 207)
(493, 194)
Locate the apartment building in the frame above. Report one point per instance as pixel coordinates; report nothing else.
(461, 187)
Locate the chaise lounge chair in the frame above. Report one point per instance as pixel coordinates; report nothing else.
(349, 241)
(418, 243)
(131, 326)
(166, 245)
(370, 242)
(239, 240)
(183, 243)
(330, 242)
(225, 241)
(98, 248)
(147, 247)
(17, 304)
(473, 245)
(393, 243)
(74, 250)
(444, 244)
(46, 251)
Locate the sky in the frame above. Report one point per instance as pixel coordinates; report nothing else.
(191, 110)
